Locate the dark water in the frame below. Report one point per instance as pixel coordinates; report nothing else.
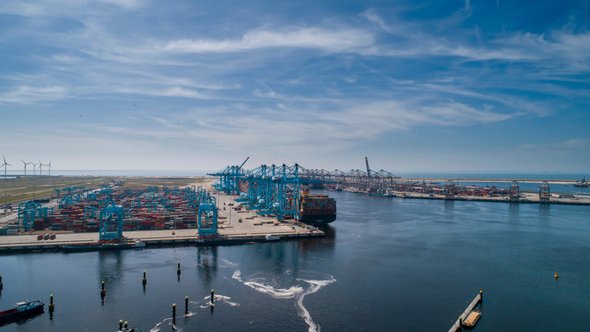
(388, 265)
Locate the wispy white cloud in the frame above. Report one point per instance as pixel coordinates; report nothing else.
(330, 40)
(165, 92)
(292, 128)
(26, 94)
(126, 3)
(468, 8)
(575, 144)
(570, 51)
(563, 47)
(69, 8)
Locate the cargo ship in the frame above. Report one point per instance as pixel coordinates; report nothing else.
(21, 310)
(105, 245)
(317, 208)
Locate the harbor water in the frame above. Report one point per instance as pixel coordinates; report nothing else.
(387, 264)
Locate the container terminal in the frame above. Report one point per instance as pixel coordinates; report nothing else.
(116, 215)
(260, 204)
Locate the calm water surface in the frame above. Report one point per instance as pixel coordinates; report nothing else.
(387, 265)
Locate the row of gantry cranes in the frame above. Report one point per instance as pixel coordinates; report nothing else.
(276, 190)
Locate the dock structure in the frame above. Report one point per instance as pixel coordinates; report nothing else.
(385, 184)
(458, 325)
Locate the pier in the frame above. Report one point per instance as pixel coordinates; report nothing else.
(458, 325)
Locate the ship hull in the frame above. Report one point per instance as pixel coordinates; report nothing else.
(98, 246)
(318, 219)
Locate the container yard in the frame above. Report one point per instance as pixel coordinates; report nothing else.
(90, 218)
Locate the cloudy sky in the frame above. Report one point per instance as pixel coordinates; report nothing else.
(179, 85)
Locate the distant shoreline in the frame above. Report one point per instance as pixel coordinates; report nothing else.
(562, 182)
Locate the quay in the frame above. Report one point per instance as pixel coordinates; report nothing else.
(461, 321)
(236, 226)
(385, 184)
(524, 198)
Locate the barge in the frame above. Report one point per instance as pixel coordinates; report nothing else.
(21, 310)
(105, 245)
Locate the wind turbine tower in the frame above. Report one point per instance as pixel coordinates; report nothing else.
(34, 166)
(40, 167)
(49, 165)
(25, 164)
(4, 165)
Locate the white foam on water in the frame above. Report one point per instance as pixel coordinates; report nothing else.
(297, 292)
(219, 298)
(277, 293)
(315, 286)
(157, 327)
(227, 263)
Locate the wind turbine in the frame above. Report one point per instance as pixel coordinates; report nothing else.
(4, 165)
(25, 166)
(49, 167)
(34, 166)
(40, 166)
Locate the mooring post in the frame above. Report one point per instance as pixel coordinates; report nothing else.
(212, 297)
(186, 305)
(51, 305)
(126, 325)
(102, 290)
(178, 269)
(144, 281)
(174, 311)
(120, 324)
(481, 295)
(1, 284)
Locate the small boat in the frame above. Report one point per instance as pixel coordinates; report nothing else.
(471, 319)
(270, 237)
(21, 310)
(582, 183)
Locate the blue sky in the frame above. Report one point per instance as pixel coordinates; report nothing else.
(414, 85)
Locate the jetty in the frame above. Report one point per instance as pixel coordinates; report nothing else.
(468, 318)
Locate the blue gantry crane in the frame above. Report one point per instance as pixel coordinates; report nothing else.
(111, 223)
(229, 178)
(272, 190)
(31, 210)
(207, 213)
